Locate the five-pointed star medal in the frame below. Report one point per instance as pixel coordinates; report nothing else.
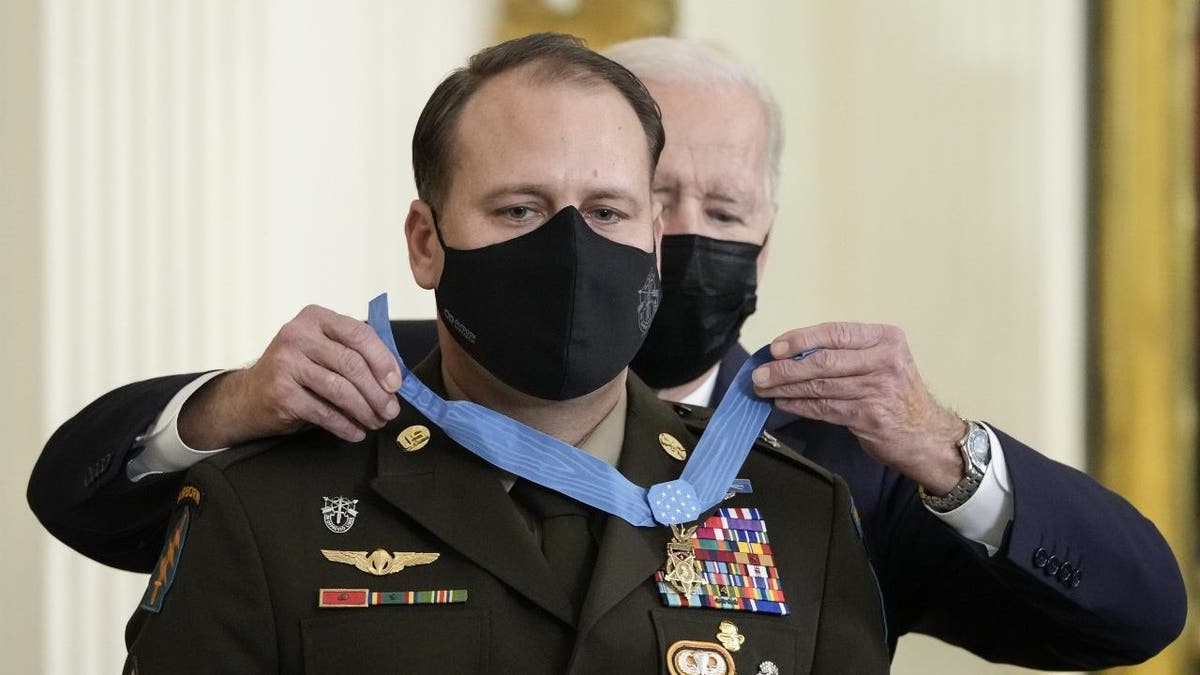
(682, 569)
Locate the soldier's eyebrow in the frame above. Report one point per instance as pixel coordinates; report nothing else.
(612, 193)
(545, 193)
(530, 189)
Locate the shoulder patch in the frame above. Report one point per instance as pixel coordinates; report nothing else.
(168, 562)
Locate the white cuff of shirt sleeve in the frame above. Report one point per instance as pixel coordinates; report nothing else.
(984, 517)
(163, 450)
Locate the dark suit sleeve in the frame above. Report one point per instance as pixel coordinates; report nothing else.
(1018, 606)
(852, 634)
(79, 490)
(216, 616)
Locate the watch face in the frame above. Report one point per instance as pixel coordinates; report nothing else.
(979, 448)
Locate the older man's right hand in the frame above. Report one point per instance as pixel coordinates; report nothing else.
(322, 368)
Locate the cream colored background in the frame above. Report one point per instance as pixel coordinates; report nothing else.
(178, 178)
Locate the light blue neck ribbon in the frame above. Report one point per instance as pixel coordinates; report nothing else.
(535, 456)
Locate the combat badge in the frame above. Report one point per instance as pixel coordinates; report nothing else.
(168, 561)
(339, 513)
(688, 657)
(379, 562)
(736, 567)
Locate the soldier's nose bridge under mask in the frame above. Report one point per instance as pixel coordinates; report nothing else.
(554, 312)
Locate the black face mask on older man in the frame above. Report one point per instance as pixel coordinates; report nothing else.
(708, 291)
(554, 313)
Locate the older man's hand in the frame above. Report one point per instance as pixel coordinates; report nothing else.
(863, 377)
(322, 368)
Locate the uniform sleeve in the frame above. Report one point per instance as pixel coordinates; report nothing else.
(207, 600)
(852, 636)
(79, 490)
(1081, 581)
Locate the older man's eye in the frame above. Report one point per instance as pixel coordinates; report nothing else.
(724, 217)
(518, 212)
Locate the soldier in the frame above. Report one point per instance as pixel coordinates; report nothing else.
(406, 551)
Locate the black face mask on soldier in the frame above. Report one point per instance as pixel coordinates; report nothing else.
(554, 313)
(708, 291)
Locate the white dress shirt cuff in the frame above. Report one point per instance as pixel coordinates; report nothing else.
(163, 450)
(984, 517)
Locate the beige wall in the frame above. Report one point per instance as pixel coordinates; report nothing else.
(933, 178)
(21, 573)
(211, 167)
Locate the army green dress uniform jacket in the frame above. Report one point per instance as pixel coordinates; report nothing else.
(236, 589)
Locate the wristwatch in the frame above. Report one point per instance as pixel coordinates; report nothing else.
(976, 449)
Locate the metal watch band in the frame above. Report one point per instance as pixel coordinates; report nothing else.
(956, 497)
(966, 487)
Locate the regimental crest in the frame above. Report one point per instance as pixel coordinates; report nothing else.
(339, 513)
(648, 298)
(380, 562)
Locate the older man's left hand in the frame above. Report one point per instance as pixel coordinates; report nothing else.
(863, 377)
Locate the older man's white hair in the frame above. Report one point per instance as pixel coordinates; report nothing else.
(678, 61)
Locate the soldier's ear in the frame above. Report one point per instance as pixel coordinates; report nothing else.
(657, 227)
(425, 255)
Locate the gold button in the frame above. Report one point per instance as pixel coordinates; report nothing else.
(413, 438)
(672, 446)
(729, 637)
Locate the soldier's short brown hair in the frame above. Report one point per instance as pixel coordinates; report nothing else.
(558, 58)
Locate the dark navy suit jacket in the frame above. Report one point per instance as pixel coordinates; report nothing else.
(1012, 607)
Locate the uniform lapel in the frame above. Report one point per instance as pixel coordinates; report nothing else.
(630, 555)
(460, 499)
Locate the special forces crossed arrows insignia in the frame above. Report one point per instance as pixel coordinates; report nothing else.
(380, 562)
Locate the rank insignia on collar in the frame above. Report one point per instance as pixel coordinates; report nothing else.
(688, 657)
(413, 438)
(168, 561)
(380, 562)
(734, 566)
(362, 597)
(339, 513)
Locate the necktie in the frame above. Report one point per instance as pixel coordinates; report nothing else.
(567, 541)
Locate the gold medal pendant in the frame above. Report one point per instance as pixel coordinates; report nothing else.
(682, 570)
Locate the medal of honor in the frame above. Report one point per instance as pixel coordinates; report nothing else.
(682, 570)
